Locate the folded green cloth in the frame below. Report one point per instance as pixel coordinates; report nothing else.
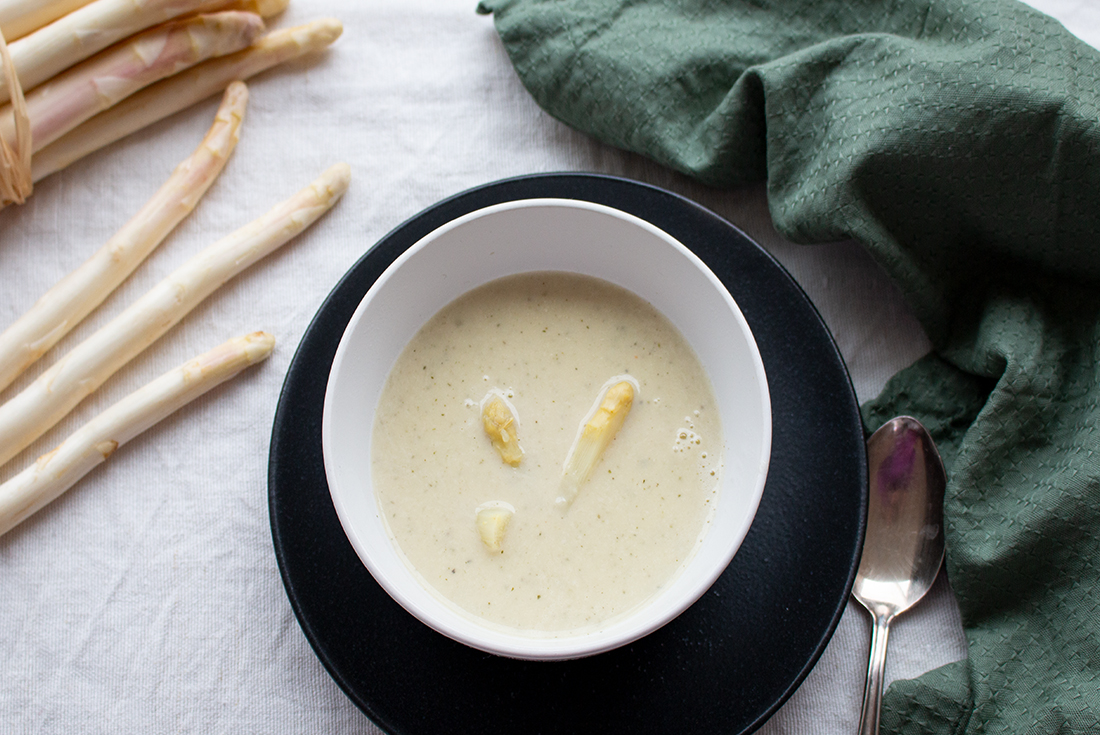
(959, 142)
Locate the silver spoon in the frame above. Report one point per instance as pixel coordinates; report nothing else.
(903, 549)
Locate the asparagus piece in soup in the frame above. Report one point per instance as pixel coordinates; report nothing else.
(595, 435)
(500, 424)
(492, 522)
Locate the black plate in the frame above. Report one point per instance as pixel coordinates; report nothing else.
(723, 666)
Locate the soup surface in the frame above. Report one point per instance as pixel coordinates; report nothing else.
(549, 343)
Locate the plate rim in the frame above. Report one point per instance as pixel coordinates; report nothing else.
(550, 179)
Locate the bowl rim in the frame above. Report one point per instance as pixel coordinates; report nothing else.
(496, 639)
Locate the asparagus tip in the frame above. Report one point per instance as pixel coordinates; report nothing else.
(336, 179)
(326, 30)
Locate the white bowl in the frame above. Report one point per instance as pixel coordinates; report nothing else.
(546, 235)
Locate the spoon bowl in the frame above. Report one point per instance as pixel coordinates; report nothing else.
(904, 545)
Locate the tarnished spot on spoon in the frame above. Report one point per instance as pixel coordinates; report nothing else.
(904, 546)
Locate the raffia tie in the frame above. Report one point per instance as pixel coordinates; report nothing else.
(15, 166)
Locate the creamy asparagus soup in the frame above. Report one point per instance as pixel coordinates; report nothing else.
(546, 452)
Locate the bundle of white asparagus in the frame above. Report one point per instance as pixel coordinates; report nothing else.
(75, 76)
(33, 411)
(81, 74)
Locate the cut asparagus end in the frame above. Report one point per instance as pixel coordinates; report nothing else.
(500, 424)
(592, 440)
(492, 522)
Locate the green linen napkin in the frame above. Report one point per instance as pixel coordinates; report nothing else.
(959, 142)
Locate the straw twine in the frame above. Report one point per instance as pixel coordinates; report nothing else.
(15, 166)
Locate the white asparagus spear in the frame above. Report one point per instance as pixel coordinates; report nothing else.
(103, 80)
(44, 402)
(181, 91)
(596, 433)
(75, 37)
(91, 445)
(20, 17)
(76, 295)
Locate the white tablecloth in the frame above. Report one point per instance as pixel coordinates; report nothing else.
(148, 599)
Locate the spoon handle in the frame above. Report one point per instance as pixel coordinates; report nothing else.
(876, 665)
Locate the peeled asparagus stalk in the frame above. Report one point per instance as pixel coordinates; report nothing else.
(592, 440)
(44, 402)
(88, 30)
(20, 17)
(109, 77)
(55, 472)
(181, 91)
(74, 297)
